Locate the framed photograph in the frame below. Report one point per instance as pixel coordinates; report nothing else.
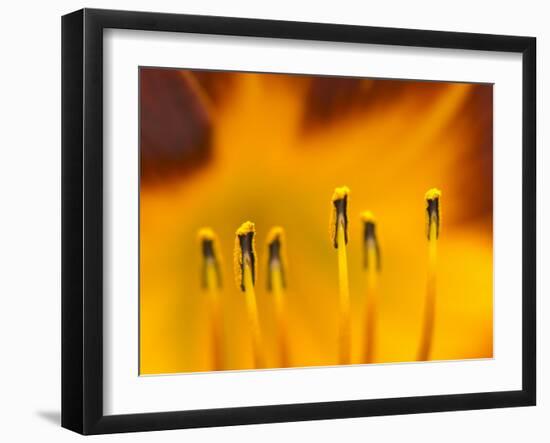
(269, 221)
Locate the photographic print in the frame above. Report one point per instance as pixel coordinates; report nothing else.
(273, 221)
(292, 220)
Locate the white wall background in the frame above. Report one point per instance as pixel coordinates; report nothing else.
(30, 91)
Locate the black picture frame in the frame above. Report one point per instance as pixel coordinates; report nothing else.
(82, 220)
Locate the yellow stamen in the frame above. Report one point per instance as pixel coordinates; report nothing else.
(211, 282)
(245, 275)
(371, 266)
(433, 214)
(340, 200)
(276, 283)
(339, 232)
(245, 236)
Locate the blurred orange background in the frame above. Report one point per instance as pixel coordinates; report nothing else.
(221, 148)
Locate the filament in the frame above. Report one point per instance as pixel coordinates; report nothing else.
(252, 310)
